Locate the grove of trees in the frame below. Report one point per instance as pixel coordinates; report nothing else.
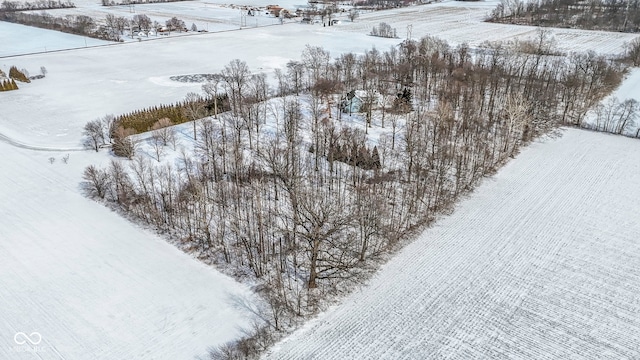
(8, 85)
(309, 206)
(384, 30)
(133, 2)
(73, 24)
(7, 5)
(609, 15)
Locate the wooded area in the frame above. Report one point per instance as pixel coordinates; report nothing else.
(609, 15)
(312, 208)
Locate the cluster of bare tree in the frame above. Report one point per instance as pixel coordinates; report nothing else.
(385, 4)
(112, 29)
(632, 52)
(116, 26)
(615, 117)
(73, 24)
(307, 224)
(37, 5)
(134, 2)
(175, 24)
(384, 30)
(326, 13)
(610, 15)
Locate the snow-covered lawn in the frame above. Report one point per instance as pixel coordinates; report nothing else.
(541, 262)
(92, 284)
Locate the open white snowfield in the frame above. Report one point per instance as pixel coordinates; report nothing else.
(84, 84)
(541, 262)
(88, 83)
(92, 284)
(455, 21)
(463, 22)
(206, 16)
(18, 39)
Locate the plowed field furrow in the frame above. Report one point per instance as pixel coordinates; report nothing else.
(541, 262)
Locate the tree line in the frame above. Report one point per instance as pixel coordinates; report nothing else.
(306, 208)
(73, 24)
(111, 29)
(134, 2)
(608, 15)
(37, 5)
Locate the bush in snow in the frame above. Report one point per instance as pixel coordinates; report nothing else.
(18, 75)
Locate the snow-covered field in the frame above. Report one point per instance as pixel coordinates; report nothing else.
(89, 83)
(92, 284)
(18, 39)
(628, 90)
(206, 16)
(455, 21)
(541, 262)
(463, 22)
(125, 77)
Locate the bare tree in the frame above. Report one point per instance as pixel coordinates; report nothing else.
(211, 89)
(121, 23)
(94, 134)
(353, 14)
(142, 22)
(175, 24)
(97, 181)
(123, 145)
(632, 51)
(316, 61)
(109, 127)
(236, 75)
(157, 143)
(165, 131)
(194, 109)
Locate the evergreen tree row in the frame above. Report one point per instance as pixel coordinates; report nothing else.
(142, 120)
(16, 74)
(8, 85)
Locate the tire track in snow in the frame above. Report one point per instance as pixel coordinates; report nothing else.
(13, 142)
